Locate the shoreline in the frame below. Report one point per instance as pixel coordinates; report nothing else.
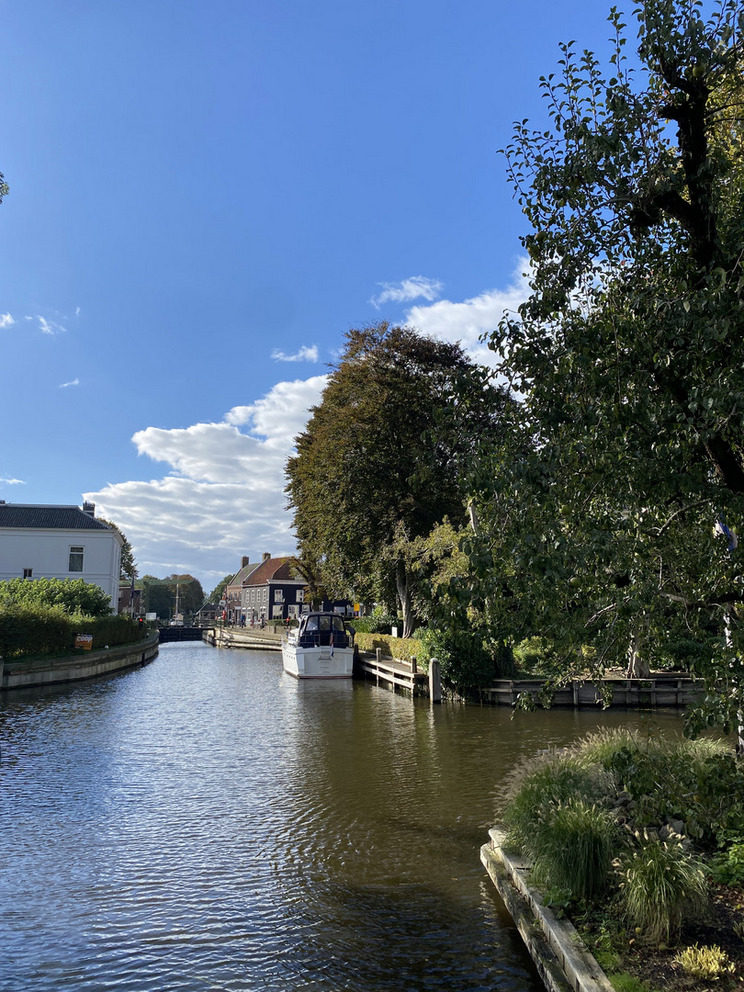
(76, 668)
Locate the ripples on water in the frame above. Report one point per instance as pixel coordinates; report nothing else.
(208, 823)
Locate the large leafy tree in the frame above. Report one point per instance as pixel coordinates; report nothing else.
(218, 592)
(629, 353)
(128, 564)
(382, 459)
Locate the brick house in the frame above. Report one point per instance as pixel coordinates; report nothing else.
(273, 589)
(235, 591)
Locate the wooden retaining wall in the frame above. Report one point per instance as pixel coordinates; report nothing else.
(660, 691)
(53, 671)
(564, 962)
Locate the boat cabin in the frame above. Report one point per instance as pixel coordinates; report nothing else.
(316, 630)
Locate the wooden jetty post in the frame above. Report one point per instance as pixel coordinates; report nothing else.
(435, 683)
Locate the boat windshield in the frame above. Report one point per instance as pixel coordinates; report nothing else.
(323, 623)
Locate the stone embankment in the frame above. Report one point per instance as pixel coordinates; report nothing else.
(87, 665)
(267, 638)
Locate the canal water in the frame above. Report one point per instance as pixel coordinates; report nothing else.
(209, 823)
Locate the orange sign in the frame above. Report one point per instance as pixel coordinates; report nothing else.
(84, 641)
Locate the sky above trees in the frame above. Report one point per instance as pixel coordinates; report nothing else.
(204, 198)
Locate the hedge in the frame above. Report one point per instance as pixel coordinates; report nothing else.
(75, 595)
(27, 631)
(404, 648)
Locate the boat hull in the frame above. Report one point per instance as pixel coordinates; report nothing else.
(317, 662)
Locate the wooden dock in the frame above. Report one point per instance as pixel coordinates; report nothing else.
(391, 673)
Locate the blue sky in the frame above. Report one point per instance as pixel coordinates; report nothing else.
(204, 197)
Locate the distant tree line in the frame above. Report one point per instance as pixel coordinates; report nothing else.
(159, 595)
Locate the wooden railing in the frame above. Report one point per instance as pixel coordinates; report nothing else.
(391, 672)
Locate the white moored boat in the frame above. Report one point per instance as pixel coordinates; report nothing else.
(321, 647)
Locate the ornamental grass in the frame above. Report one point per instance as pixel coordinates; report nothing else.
(660, 885)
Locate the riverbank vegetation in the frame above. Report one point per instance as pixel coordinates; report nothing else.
(42, 617)
(638, 838)
(608, 509)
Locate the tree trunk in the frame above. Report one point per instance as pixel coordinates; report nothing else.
(404, 597)
(638, 667)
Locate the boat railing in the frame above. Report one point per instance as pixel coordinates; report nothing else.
(317, 639)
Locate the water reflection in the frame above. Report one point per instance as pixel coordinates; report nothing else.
(208, 823)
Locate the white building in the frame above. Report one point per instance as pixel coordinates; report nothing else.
(59, 542)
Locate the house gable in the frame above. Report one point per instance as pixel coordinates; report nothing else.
(59, 542)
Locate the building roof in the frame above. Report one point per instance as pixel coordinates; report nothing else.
(274, 570)
(239, 578)
(27, 516)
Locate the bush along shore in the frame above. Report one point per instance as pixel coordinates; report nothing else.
(43, 617)
(640, 840)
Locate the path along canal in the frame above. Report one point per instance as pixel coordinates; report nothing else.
(208, 823)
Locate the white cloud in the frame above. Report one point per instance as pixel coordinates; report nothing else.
(414, 288)
(467, 321)
(224, 496)
(49, 326)
(72, 382)
(6, 320)
(12, 482)
(305, 354)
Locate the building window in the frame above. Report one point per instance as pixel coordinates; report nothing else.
(278, 596)
(76, 559)
(300, 596)
(27, 573)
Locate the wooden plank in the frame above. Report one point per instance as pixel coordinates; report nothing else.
(539, 949)
(579, 966)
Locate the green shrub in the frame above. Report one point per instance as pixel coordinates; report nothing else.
(601, 746)
(573, 844)
(707, 963)
(33, 630)
(534, 655)
(377, 623)
(728, 867)
(692, 781)
(73, 595)
(464, 661)
(541, 784)
(660, 884)
(27, 631)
